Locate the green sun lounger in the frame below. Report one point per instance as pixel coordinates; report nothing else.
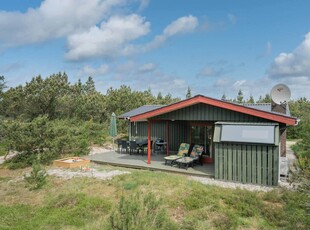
(183, 151)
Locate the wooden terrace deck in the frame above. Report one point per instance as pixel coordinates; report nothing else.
(157, 163)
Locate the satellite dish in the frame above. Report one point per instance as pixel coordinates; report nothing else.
(280, 94)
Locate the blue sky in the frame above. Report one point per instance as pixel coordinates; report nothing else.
(215, 47)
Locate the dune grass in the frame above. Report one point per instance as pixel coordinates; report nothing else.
(175, 203)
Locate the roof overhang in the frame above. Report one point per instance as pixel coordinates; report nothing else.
(217, 103)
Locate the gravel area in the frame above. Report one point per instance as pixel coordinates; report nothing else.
(225, 184)
(69, 173)
(95, 150)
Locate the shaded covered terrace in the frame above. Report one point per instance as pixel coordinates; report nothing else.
(141, 162)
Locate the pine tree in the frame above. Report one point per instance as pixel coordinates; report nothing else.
(251, 100)
(240, 96)
(189, 93)
(2, 85)
(89, 86)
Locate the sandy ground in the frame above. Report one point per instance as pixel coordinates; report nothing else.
(9, 156)
(96, 149)
(89, 172)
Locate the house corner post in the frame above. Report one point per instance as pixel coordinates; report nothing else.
(149, 142)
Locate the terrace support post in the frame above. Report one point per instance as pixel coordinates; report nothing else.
(167, 132)
(129, 130)
(149, 142)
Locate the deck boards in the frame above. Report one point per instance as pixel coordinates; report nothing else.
(157, 163)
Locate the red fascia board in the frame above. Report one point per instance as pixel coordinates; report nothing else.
(217, 103)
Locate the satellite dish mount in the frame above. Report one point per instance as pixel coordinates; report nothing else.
(280, 95)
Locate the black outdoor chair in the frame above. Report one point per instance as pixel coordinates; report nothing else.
(119, 145)
(133, 147)
(124, 145)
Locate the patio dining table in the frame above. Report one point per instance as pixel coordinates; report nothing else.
(142, 144)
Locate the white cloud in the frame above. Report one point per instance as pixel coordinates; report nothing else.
(238, 84)
(11, 67)
(216, 69)
(143, 5)
(91, 71)
(223, 83)
(266, 52)
(181, 25)
(147, 68)
(230, 87)
(109, 39)
(53, 19)
(165, 84)
(113, 38)
(126, 68)
(232, 18)
(141, 76)
(294, 64)
(268, 48)
(293, 69)
(209, 71)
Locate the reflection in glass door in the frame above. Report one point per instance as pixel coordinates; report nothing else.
(202, 134)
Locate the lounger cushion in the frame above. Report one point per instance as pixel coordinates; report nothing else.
(183, 150)
(197, 151)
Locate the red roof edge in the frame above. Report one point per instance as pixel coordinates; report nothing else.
(218, 103)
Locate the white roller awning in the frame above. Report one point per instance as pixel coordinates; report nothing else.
(258, 133)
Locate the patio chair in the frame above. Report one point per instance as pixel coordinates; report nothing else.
(124, 145)
(183, 151)
(134, 147)
(196, 154)
(119, 145)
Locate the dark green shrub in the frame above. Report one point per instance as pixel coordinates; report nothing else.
(47, 140)
(37, 177)
(301, 177)
(136, 212)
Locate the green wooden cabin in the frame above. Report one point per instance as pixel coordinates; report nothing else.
(244, 141)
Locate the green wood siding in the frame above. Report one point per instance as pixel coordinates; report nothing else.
(158, 130)
(203, 112)
(244, 163)
(179, 132)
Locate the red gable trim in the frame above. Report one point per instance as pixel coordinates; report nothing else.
(218, 103)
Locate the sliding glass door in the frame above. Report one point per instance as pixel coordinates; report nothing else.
(202, 134)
